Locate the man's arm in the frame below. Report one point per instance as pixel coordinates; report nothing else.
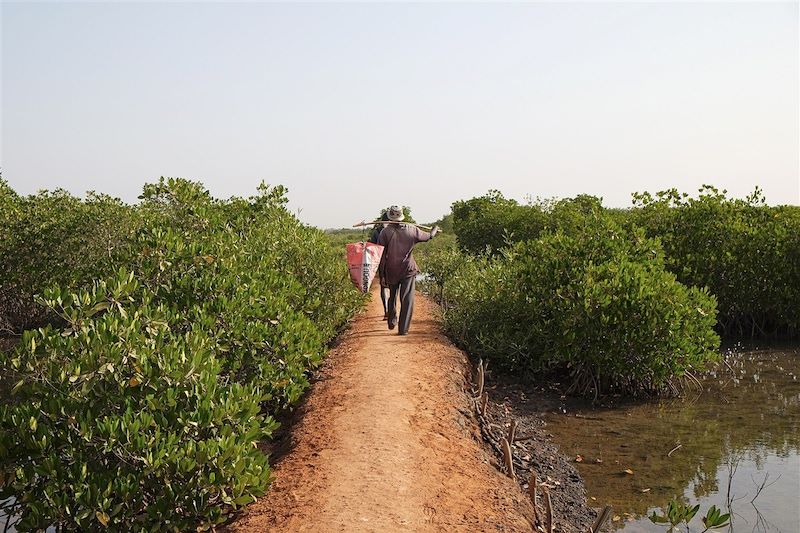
(423, 236)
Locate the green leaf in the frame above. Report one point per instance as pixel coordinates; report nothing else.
(722, 521)
(18, 385)
(657, 519)
(243, 500)
(102, 306)
(690, 514)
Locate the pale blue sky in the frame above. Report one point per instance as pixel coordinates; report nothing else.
(357, 106)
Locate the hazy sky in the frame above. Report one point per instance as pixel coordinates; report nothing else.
(357, 106)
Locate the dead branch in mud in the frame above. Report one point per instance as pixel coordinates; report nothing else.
(601, 519)
(481, 378)
(548, 509)
(508, 458)
(763, 485)
(674, 450)
(512, 431)
(502, 446)
(486, 433)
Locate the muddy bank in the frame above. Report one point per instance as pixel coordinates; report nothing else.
(534, 450)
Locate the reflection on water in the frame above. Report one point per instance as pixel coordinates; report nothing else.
(712, 447)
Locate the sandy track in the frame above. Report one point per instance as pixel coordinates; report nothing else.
(387, 442)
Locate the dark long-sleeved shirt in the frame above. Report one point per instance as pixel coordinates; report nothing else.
(375, 236)
(397, 262)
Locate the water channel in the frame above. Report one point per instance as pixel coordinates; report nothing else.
(735, 444)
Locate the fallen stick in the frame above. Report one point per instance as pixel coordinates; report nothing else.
(601, 519)
(492, 425)
(588, 417)
(488, 436)
(673, 450)
(728, 365)
(362, 223)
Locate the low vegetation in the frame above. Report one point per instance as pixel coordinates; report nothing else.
(628, 300)
(591, 299)
(138, 406)
(746, 252)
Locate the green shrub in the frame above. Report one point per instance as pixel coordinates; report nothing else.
(492, 221)
(142, 411)
(53, 238)
(745, 252)
(440, 261)
(122, 420)
(272, 290)
(597, 303)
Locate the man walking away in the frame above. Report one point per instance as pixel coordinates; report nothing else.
(398, 266)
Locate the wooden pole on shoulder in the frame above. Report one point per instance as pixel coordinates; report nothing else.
(362, 223)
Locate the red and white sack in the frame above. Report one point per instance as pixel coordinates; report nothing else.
(363, 260)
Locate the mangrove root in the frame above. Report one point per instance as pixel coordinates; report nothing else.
(548, 510)
(508, 459)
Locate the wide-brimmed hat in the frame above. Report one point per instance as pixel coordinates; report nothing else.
(395, 214)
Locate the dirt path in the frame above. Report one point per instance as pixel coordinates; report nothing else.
(387, 442)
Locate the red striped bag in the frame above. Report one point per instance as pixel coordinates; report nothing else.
(363, 259)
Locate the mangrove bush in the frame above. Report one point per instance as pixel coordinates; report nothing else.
(746, 252)
(138, 407)
(590, 298)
